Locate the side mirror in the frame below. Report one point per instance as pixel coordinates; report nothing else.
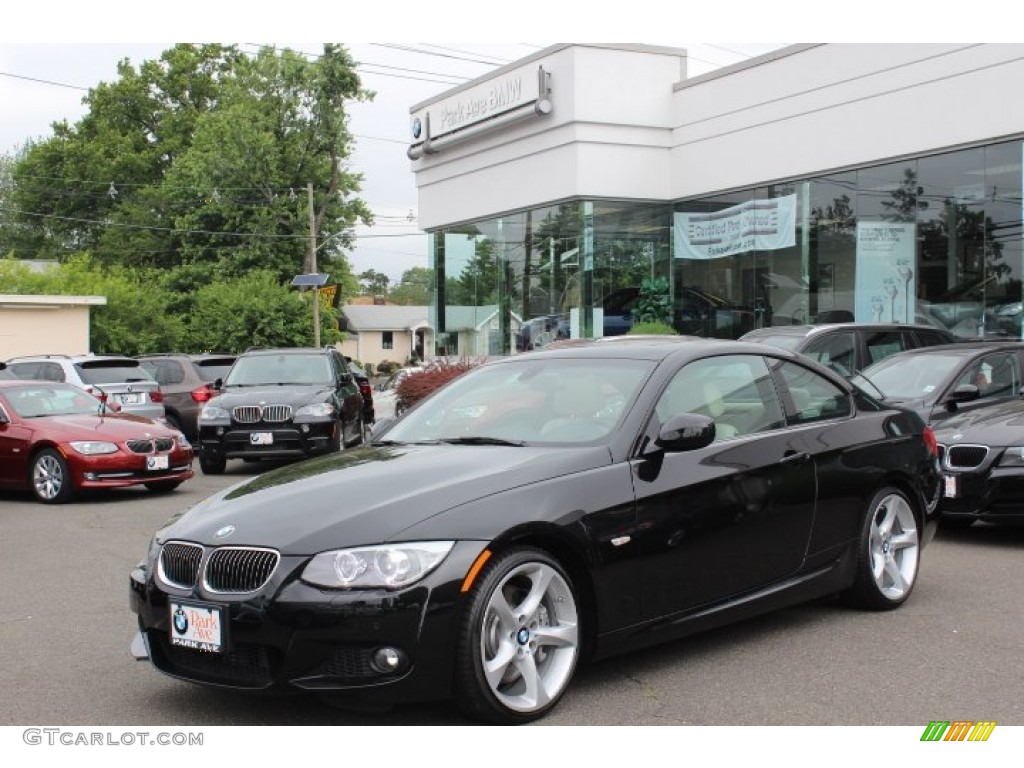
(686, 432)
(963, 394)
(217, 385)
(3, 416)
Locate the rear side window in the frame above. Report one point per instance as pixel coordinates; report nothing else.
(881, 344)
(835, 350)
(931, 338)
(814, 397)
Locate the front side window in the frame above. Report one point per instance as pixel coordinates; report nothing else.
(734, 390)
(996, 375)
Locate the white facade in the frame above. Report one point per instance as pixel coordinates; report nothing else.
(624, 122)
(37, 324)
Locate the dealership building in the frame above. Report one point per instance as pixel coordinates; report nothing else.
(587, 185)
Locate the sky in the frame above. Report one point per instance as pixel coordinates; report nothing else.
(50, 57)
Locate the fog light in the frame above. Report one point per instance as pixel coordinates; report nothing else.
(305, 429)
(89, 475)
(220, 431)
(388, 659)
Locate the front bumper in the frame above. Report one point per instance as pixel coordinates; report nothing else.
(291, 636)
(995, 495)
(120, 470)
(286, 441)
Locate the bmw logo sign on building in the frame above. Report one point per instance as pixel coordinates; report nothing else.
(417, 128)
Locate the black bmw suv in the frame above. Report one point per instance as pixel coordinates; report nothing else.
(281, 404)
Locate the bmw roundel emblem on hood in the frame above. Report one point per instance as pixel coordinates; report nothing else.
(224, 532)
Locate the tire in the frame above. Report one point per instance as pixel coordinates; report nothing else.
(50, 478)
(519, 641)
(888, 553)
(212, 466)
(163, 486)
(359, 432)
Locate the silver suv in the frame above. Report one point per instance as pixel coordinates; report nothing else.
(114, 379)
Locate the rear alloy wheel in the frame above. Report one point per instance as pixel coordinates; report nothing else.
(888, 553)
(520, 639)
(212, 466)
(51, 479)
(163, 486)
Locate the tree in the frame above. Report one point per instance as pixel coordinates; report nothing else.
(203, 158)
(373, 282)
(414, 287)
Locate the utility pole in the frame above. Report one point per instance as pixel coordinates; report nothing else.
(312, 267)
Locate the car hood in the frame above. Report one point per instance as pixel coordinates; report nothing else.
(117, 427)
(368, 495)
(295, 395)
(996, 426)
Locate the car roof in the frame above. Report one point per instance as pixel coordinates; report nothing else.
(651, 348)
(814, 328)
(963, 348)
(287, 351)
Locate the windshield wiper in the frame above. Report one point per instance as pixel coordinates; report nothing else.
(481, 441)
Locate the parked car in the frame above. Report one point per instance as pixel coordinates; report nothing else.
(120, 380)
(185, 381)
(943, 380)
(697, 313)
(281, 404)
(365, 389)
(982, 455)
(849, 347)
(539, 511)
(58, 440)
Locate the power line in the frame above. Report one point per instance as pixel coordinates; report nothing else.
(411, 49)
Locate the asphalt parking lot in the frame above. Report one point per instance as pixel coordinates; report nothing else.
(952, 652)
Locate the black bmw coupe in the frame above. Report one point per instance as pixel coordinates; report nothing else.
(540, 511)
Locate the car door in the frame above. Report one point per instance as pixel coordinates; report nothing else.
(15, 441)
(735, 515)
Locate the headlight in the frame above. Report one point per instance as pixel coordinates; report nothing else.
(316, 411)
(1012, 457)
(94, 447)
(214, 413)
(384, 566)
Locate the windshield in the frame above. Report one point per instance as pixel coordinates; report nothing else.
(528, 401)
(910, 377)
(52, 400)
(280, 369)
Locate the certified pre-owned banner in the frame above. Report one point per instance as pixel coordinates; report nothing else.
(756, 225)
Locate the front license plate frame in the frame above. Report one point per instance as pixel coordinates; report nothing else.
(950, 486)
(158, 463)
(261, 438)
(198, 626)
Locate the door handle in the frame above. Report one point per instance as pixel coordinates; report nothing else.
(794, 457)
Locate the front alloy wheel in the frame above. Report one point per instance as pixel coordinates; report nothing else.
(520, 641)
(889, 555)
(51, 480)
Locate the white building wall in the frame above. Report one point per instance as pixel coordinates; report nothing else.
(38, 325)
(626, 125)
(832, 106)
(609, 130)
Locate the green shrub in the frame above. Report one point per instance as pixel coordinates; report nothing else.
(658, 329)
